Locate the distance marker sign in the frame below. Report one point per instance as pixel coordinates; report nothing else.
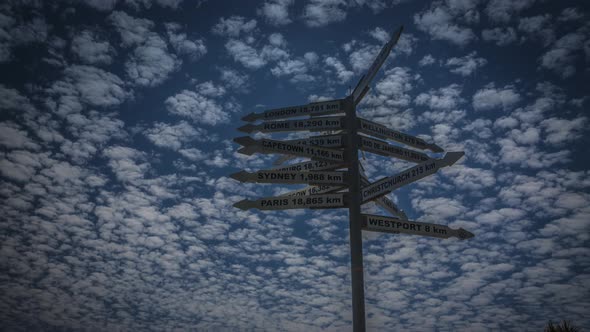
(313, 190)
(378, 130)
(319, 108)
(313, 124)
(326, 141)
(313, 165)
(388, 184)
(393, 225)
(274, 146)
(326, 201)
(334, 178)
(383, 148)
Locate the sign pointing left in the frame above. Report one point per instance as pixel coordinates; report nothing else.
(274, 146)
(325, 201)
(335, 178)
(319, 108)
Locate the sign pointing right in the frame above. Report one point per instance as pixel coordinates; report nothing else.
(387, 185)
(379, 130)
(393, 225)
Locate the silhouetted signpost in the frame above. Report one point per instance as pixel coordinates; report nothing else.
(330, 185)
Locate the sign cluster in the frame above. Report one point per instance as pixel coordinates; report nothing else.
(332, 170)
(325, 171)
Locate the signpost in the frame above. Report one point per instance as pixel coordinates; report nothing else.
(325, 201)
(319, 108)
(334, 178)
(383, 148)
(388, 184)
(273, 146)
(393, 225)
(326, 141)
(311, 124)
(378, 130)
(330, 153)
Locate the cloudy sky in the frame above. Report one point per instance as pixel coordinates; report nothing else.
(116, 127)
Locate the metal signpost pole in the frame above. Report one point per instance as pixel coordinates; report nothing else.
(354, 211)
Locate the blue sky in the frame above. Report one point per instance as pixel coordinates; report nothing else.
(116, 127)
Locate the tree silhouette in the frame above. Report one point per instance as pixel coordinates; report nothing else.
(565, 326)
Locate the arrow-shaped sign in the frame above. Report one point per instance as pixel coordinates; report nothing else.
(313, 190)
(385, 202)
(393, 225)
(312, 165)
(377, 63)
(274, 146)
(326, 201)
(319, 108)
(378, 130)
(326, 141)
(388, 150)
(388, 184)
(334, 178)
(311, 124)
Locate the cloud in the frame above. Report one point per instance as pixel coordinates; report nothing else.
(233, 26)
(343, 74)
(13, 137)
(440, 24)
(489, 98)
(538, 27)
(318, 13)
(276, 12)
(559, 131)
(127, 163)
(89, 85)
(251, 58)
(108, 5)
(427, 60)
(466, 65)
(235, 80)
(133, 31)
(502, 11)
(561, 57)
(12, 99)
(445, 98)
(19, 33)
(502, 36)
(245, 54)
(197, 107)
(150, 63)
(194, 49)
(570, 14)
(380, 34)
(175, 136)
(90, 49)
(361, 58)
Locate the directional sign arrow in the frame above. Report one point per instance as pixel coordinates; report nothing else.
(388, 184)
(274, 146)
(312, 124)
(378, 130)
(312, 165)
(393, 225)
(313, 190)
(319, 108)
(377, 63)
(334, 178)
(326, 201)
(385, 202)
(388, 150)
(326, 141)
